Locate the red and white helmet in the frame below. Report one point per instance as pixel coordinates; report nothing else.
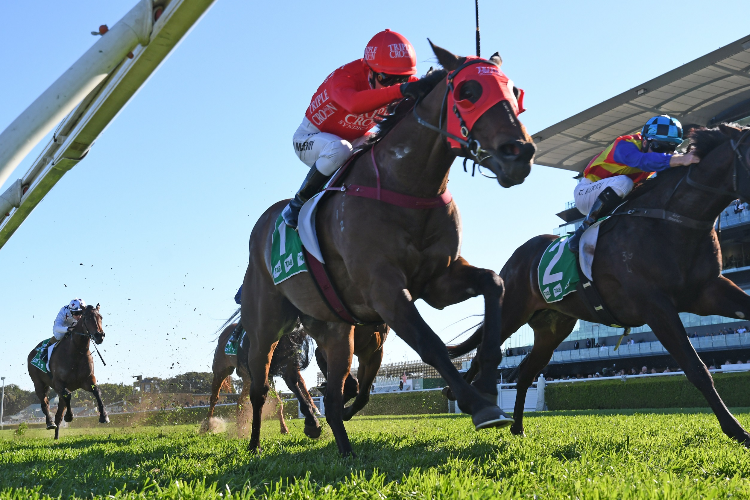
(76, 305)
(391, 53)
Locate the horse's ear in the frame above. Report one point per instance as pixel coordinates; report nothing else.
(497, 59)
(730, 129)
(446, 59)
(97, 307)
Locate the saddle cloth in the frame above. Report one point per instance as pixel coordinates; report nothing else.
(230, 349)
(557, 271)
(37, 361)
(287, 258)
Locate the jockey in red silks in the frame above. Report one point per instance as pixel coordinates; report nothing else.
(631, 159)
(346, 106)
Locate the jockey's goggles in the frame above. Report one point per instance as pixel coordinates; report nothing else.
(387, 80)
(76, 313)
(662, 147)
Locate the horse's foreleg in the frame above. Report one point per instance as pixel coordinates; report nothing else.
(666, 325)
(243, 409)
(397, 308)
(368, 370)
(293, 379)
(461, 282)
(550, 328)
(103, 417)
(280, 409)
(723, 298)
(42, 389)
(216, 384)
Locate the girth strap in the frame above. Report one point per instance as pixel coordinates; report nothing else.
(657, 213)
(326, 289)
(593, 300)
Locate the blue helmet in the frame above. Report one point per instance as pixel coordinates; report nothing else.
(663, 128)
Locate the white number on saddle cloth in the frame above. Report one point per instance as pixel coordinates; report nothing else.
(282, 238)
(300, 259)
(548, 278)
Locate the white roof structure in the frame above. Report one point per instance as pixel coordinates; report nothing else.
(711, 89)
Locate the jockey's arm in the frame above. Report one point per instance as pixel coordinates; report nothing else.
(628, 154)
(59, 330)
(363, 101)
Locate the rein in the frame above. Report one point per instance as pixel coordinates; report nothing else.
(90, 336)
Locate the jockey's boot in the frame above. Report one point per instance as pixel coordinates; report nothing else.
(607, 200)
(45, 351)
(314, 181)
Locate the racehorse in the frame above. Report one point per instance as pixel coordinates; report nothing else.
(286, 363)
(382, 257)
(646, 270)
(71, 368)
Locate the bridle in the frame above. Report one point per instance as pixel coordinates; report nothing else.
(738, 160)
(88, 333)
(468, 142)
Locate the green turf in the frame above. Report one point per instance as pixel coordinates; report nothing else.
(666, 455)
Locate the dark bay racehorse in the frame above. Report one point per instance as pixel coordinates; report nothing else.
(71, 368)
(286, 363)
(647, 270)
(383, 257)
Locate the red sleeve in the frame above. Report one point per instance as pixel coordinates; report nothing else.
(364, 100)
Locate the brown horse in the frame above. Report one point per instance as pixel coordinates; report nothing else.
(71, 368)
(286, 363)
(383, 257)
(647, 270)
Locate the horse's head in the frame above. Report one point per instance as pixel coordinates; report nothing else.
(482, 107)
(91, 323)
(725, 158)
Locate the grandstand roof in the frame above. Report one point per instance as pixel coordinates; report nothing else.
(711, 89)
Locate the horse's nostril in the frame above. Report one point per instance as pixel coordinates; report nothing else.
(510, 149)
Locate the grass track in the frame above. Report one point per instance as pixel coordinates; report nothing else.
(571, 455)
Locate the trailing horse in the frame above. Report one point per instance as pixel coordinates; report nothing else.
(289, 358)
(647, 270)
(383, 256)
(71, 367)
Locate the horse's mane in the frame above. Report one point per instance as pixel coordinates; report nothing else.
(704, 140)
(398, 111)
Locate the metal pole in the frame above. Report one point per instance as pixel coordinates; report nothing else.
(476, 6)
(2, 403)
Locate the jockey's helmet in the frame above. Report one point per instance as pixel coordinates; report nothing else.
(663, 133)
(76, 305)
(389, 53)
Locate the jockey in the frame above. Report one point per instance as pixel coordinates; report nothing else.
(66, 319)
(346, 106)
(629, 160)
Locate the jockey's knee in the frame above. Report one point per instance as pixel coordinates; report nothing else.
(333, 156)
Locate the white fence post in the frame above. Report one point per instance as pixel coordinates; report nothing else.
(540, 393)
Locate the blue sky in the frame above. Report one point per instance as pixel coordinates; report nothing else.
(153, 224)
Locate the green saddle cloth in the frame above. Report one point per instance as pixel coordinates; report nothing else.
(287, 257)
(232, 345)
(38, 361)
(558, 272)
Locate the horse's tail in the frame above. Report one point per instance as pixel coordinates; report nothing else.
(467, 345)
(231, 320)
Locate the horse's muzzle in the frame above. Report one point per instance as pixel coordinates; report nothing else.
(511, 162)
(99, 337)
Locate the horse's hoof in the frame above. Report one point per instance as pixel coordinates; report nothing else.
(104, 419)
(491, 416)
(348, 454)
(313, 432)
(285, 430)
(448, 394)
(68, 417)
(51, 425)
(347, 415)
(517, 432)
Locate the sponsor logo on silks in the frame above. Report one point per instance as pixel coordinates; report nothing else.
(370, 53)
(557, 290)
(304, 146)
(546, 293)
(318, 100)
(277, 269)
(288, 263)
(300, 259)
(487, 70)
(365, 120)
(399, 50)
(323, 114)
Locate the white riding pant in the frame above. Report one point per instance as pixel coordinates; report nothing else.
(326, 151)
(587, 191)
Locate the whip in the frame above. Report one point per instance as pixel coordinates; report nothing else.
(476, 8)
(97, 350)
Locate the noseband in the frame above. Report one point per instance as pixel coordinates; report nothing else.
(470, 144)
(738, 160)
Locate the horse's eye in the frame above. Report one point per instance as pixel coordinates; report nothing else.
(471, 90)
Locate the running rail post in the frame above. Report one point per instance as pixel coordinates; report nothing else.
(78, 81)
